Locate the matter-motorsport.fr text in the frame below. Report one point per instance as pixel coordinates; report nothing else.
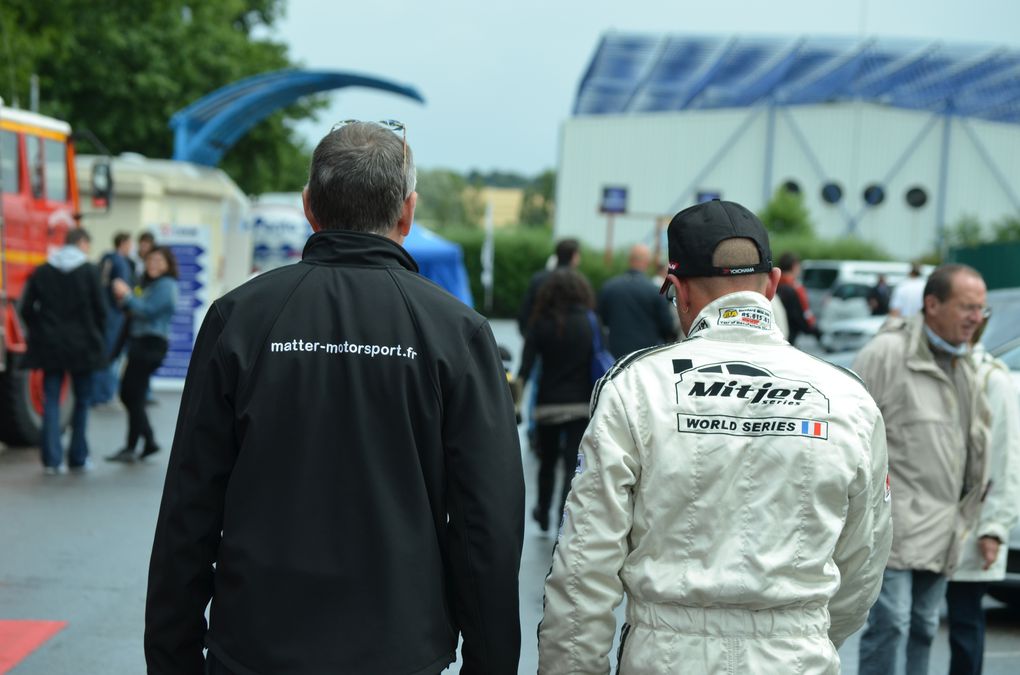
(345, 347)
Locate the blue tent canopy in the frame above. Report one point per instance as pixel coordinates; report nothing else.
(440, 260)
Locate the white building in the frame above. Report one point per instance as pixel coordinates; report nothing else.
(675, 119)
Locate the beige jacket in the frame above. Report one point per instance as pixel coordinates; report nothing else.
(999, 510)
(938, 476)
(735, 489)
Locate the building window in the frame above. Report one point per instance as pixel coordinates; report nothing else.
(874, 194)
(832, 193)
(9, 162)
(56, 170)
(916, 197)
(33, 157)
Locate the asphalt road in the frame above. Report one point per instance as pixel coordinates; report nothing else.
(75, 548)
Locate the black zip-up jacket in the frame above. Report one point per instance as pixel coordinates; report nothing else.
(347, 455)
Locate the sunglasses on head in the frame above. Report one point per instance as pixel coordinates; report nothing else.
(395, 126)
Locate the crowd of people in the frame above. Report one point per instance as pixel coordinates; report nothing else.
(83, 320)
(357, 503)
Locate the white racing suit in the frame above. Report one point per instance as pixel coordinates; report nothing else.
(737, 490)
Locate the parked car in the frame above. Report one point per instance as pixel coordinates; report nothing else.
(823, 278)
(848, 336)
(844, 302)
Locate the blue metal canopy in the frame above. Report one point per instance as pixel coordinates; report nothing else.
(633, 73)
(207, 128)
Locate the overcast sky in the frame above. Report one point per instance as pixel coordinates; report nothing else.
(500, 78)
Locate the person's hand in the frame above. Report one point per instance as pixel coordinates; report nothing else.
(120, 289)
(989, 548)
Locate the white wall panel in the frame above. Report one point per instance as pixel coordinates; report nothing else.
(658, 156)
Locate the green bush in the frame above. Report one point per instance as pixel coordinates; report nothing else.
(522, 251)
(811, 248)
(786, 214)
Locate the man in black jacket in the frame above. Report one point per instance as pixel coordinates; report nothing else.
(632, 309)
(65, 316)
(346, 455)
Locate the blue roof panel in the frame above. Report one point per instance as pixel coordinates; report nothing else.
(654, 73)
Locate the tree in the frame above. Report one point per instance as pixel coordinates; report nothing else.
(121, 69)
(539, 200)
(786, 214)
(965, 233)
(1008, 229)
(442, 199)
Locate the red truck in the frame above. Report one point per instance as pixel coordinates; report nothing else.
(39, 203)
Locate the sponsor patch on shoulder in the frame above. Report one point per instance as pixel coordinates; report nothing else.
(750, 317)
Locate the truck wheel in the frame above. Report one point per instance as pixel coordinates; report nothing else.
(21, 406)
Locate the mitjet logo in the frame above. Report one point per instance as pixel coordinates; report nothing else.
(747, 383)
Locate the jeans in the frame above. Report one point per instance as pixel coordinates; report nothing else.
(107, 381)
(52, 453)
(907, 610)
(966, 627)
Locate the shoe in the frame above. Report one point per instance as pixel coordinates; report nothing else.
(541, 518)
(125, 455)
(51, 471)
(82, 468)
(149, 450)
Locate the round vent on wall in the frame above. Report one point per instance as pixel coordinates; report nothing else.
(874, 194)
(916, 197)
(832, 193)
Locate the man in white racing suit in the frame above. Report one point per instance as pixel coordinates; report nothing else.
(735, 488)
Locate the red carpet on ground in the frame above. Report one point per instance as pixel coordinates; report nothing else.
(18, 639)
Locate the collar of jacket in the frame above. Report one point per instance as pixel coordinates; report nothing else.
(919, 352)
(744, 316)
(346, 247)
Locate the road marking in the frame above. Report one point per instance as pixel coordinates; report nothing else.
(18, 639)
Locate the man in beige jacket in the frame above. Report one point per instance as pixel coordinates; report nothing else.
(921, 374)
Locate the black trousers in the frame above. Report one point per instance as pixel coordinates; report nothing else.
(145, 353)
(966, 627)
(557, 444)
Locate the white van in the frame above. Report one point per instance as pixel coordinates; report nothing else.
(838, 292)
(822, 277)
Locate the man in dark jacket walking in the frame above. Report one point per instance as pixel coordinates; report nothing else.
(632, 309)
(65, 316)
(346, 456)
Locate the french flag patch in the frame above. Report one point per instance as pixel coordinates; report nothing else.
(814, 429)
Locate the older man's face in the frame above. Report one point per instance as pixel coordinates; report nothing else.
(956, 319)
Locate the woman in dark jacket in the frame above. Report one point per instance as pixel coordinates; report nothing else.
(560, 333)
(151, 311)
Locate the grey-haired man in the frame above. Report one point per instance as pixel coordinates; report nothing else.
(346, 455)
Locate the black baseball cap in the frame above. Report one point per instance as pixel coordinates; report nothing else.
(695, 232)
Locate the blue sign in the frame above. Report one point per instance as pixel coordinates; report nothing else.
(614, 200)
(189, 245)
